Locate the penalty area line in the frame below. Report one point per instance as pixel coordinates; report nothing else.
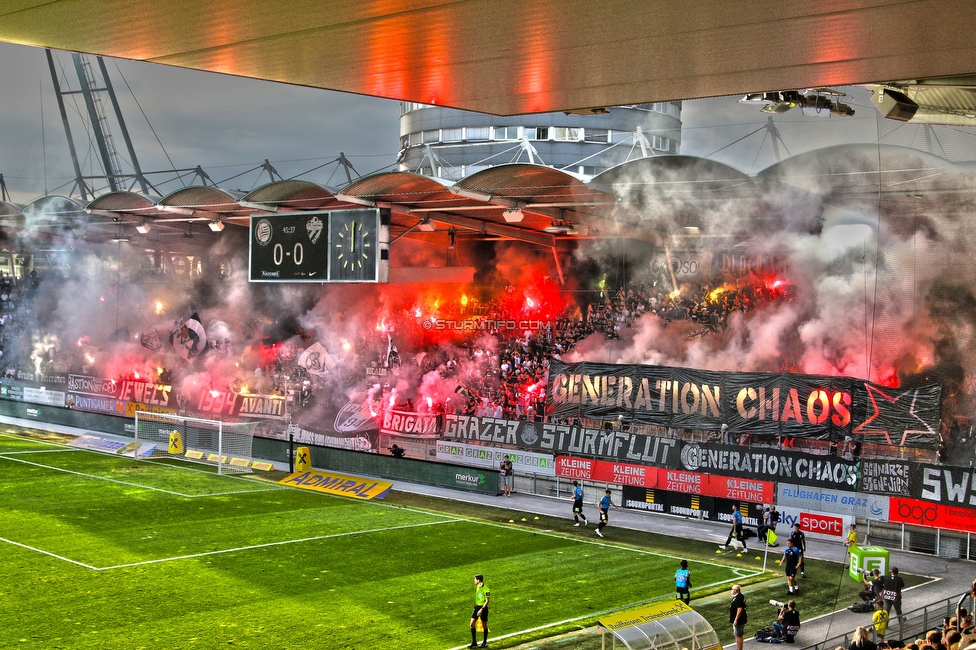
(49, 554)
(272, 544)
(93, 476)
(256, 490)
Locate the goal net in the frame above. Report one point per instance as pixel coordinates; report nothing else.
(226, 445)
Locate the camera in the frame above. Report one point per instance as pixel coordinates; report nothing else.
(777, 603)
(861, 571)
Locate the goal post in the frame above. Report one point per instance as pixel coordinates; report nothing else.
(226, 445)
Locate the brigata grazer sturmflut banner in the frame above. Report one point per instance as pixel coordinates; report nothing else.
(801, 406)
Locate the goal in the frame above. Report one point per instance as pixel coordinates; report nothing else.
(226, 445)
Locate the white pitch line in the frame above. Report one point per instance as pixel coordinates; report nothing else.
(34, 440)
(138, 485)
(36, 451)
(92, 476)
(48, 553)
(571, 620)
(270, 544)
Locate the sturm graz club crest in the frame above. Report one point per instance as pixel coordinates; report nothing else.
(529, 434)
(263, 232)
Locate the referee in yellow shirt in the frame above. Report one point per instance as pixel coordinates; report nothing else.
(481, 597)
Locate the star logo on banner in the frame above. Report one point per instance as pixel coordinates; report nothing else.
(893, 414)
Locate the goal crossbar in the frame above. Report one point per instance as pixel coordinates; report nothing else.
(226, 445)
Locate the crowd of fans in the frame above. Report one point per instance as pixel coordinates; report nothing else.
(499, 369)
(502, 371)
(953, 634)
(16, 311)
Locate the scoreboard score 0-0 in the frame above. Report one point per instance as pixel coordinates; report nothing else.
(334, 246)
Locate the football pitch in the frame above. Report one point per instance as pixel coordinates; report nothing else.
(104, 551)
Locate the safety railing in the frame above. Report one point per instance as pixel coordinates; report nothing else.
(914, 625)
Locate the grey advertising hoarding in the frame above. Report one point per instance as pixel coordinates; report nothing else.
(840, 502)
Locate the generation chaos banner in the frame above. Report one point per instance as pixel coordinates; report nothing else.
(777, 404)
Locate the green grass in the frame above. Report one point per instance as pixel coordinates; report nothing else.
(101, 551)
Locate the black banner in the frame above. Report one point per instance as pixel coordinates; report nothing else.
(884, 476)
(690, 505)
(773, 404)
(769, 464)
(943, 484)
(559, 439)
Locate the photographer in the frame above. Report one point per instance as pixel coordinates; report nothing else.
(873, 583)
(397, 452)
(787, 624)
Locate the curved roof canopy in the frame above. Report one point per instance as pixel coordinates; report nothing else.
(291, 195)
(642, 200)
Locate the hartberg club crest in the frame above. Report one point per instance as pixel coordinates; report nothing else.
(314, 228)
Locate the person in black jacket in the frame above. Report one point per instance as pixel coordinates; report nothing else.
(891, 594)
(874, 583)
(787, 625)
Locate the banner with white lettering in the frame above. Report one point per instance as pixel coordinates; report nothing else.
(690, 505)
(814, 524)
(769, 464)
(607, 471)
(886, 476)
(943, 484)
(491, 457)
(409, 423)
(560, 439)
(771, 404)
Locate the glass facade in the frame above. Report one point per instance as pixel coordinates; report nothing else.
(469, 142)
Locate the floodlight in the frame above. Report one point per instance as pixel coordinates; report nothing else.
(513, 215)
(216, 225)
(559, 227)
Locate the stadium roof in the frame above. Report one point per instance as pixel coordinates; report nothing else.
(649, 200)
(512, 57)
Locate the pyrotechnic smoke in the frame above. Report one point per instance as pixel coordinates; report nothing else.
(866, 267)
(878, 290)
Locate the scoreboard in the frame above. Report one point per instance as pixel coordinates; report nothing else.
(334, 246)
